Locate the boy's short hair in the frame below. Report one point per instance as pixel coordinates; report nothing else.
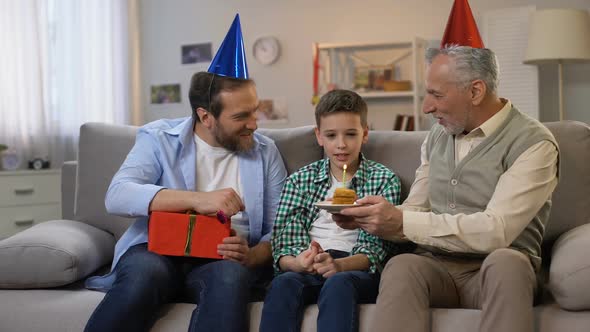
(337, 101)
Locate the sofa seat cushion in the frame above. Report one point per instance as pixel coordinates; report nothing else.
(53, 253)
(569, 274)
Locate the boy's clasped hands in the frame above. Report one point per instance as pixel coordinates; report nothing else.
(315, 261)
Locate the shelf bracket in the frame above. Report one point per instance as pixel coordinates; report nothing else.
(399, 58)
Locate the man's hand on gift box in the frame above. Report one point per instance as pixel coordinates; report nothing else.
(205, 203)
(226, 200)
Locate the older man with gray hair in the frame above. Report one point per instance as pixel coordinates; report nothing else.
(477, 209)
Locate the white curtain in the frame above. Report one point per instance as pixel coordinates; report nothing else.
(62, 63)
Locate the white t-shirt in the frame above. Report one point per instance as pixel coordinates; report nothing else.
(218, 168)
(327, 233)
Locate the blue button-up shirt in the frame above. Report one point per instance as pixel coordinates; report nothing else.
(164, 157)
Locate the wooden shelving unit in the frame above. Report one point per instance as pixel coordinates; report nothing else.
(343, 65)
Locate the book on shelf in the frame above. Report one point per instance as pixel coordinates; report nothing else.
(404, 122)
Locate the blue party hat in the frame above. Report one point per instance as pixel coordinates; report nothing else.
(230, 59)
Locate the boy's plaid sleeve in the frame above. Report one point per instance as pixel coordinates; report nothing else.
(289, 237)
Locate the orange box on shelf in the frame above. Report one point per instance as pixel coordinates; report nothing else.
(183, 234)
(397, 85)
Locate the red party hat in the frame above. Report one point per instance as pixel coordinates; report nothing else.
(461, 28)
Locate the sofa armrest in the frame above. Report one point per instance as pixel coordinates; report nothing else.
(569, 273)
(53, 253)
(68, 189)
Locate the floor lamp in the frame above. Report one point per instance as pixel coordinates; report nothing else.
(559, 36)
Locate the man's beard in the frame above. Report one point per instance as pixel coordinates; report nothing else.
(457, 128)
(454, 129)
(232, 142)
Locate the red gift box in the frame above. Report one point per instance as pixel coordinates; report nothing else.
(183, 234)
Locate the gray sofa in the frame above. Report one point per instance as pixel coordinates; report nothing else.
(42, 268)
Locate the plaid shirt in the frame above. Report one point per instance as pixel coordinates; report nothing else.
(296, 212)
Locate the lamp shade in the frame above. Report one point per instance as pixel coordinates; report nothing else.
(559, 35)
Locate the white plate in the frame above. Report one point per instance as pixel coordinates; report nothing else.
(333, 208)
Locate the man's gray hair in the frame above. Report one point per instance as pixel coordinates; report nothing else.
(470, 64)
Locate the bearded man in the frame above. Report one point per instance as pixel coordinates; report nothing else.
(213, 161)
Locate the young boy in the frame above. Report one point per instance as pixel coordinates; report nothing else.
(315, 260)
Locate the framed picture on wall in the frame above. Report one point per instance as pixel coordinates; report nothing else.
(196, 53)
(272, 110)
(165, 94)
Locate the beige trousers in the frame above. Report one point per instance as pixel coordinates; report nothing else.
(502, 286)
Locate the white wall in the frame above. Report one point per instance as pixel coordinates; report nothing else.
(165, 25)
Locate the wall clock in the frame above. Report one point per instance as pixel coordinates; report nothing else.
(266, 50)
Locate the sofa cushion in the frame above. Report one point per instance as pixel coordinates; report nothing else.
(572, 194)
(298, 146)
(68, 189)
(102, 150)
(53, 253)
(569, 274)
(400, 151)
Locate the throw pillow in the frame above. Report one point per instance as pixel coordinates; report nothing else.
(53, 253)
(569, 275)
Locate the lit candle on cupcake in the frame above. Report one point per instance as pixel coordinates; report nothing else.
(343, 195)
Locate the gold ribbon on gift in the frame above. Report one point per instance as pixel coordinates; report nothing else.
(191, 227)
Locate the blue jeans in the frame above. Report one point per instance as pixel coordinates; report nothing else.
(146, 280)
(337, 298)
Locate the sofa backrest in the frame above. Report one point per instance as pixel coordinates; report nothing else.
(571, 198)
(299, 147)
(101, 151)
(398, 150)
(103, 148)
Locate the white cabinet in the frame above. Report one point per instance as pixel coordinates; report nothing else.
(28, 198)
(389, 71)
